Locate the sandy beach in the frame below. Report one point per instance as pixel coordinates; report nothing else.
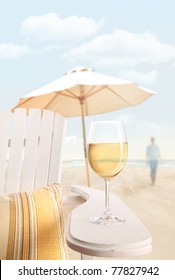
(154, 205)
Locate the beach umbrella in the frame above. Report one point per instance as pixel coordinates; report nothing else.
(83, 92)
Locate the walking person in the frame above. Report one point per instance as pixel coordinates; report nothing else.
(153, 156)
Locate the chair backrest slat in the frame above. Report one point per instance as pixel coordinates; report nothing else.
(31, 150)
(45, 141)
(35, 152)
(56, 150)
(16, 152)
(4, 140)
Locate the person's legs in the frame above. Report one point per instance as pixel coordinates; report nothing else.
(153, 167)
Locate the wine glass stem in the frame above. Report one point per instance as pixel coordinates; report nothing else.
(107, 211)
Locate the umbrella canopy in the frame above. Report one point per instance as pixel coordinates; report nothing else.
(83, 92)
(99, 93)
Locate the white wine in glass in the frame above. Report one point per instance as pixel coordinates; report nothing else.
(107, 153)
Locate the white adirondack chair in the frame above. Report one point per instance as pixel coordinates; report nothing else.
(34, 147)
(34, 144)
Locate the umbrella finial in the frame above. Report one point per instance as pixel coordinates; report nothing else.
(79, 69)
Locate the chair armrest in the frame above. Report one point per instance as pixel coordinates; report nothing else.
(72, 200)
(129, 239)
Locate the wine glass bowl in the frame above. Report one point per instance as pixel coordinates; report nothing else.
(107, 154)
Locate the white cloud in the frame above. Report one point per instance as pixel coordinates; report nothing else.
(140, 77)
(10, 50)
(127, 118)
(143, 126)
(123, 48)
(51, 27)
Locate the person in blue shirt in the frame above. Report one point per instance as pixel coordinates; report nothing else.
(153, 156)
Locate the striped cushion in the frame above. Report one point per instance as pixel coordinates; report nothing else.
(31, 225)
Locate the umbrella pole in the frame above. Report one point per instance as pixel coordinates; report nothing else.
(84, 142)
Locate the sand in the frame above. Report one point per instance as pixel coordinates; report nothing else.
(154, 205)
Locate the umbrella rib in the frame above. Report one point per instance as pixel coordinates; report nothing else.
(105, 86)
(23, 102)
(71, 96)
(94, 92)
(52, 100)
(59, 93)
(118, 95)
(88, 93)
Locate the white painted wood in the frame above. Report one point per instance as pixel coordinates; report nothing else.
(86, 257)
(58, 137)
(44, 150)
(15, 154)
(39, 162)
(4, 138)
(74, 200)
(126, 239)
(31, 150)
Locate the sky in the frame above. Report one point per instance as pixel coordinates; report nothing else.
(40, 40)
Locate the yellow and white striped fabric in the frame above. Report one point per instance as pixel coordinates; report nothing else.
(31, 225)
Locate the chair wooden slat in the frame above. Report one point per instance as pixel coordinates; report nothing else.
(4, 139)
(31, 150)
(44, 150)
(16, 152)
(57, 149)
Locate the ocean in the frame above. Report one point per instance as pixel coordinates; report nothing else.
(163, 163)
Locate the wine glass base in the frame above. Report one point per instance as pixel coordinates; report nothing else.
(106, 220)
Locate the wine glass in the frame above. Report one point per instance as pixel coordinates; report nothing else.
(107, 154)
